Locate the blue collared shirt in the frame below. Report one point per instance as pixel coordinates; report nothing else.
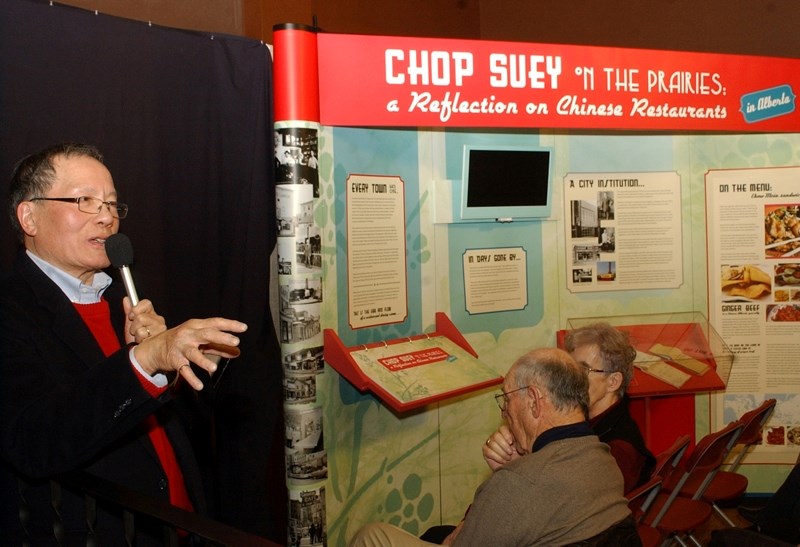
(76, 290)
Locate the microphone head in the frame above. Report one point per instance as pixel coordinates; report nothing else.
(119, 250)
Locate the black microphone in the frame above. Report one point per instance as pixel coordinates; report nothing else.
(120, 252)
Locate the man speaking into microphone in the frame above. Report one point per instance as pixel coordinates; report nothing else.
(85, 373)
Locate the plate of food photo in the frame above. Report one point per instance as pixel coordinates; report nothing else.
(787, 275)
(781, 231)
(783, 312)
(746, 283)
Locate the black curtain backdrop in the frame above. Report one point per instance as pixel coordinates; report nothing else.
(184, 121)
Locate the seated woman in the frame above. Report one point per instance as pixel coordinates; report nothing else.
(607, 356)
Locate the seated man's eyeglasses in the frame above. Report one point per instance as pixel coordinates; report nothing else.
(92, 206)
(502, 398)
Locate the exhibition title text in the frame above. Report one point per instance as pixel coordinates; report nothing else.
(439, 77)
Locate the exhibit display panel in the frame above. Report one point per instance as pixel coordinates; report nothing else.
(414, 371)
(421, 468)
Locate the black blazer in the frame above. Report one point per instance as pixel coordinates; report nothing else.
(65, 406)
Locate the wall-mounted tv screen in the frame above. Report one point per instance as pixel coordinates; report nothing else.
(506, 183)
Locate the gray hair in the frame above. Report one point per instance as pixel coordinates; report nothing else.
(613, 345)
(556, 373)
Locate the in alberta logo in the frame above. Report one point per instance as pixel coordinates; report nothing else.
(768, 103)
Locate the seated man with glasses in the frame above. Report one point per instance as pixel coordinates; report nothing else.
(607, 357)
(84, 374)
(565, 488)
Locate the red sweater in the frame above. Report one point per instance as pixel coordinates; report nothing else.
(98, 318)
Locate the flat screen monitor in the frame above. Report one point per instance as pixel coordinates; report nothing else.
(506, 183)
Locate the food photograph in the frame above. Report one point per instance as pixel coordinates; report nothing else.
(781, 231)
(746, 283)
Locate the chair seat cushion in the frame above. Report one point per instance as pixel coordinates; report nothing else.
(684, 515)
(724, 486)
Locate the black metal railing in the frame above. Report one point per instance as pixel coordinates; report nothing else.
(137, 506)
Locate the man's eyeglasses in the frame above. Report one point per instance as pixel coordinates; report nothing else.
(589, 369)
(502, 398)
(92, 206)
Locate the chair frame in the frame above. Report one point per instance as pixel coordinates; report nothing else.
(639, 501)
(732, 431)
(708, 455)
(753, 423)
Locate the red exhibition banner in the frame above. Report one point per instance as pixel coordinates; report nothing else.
(432, 82)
